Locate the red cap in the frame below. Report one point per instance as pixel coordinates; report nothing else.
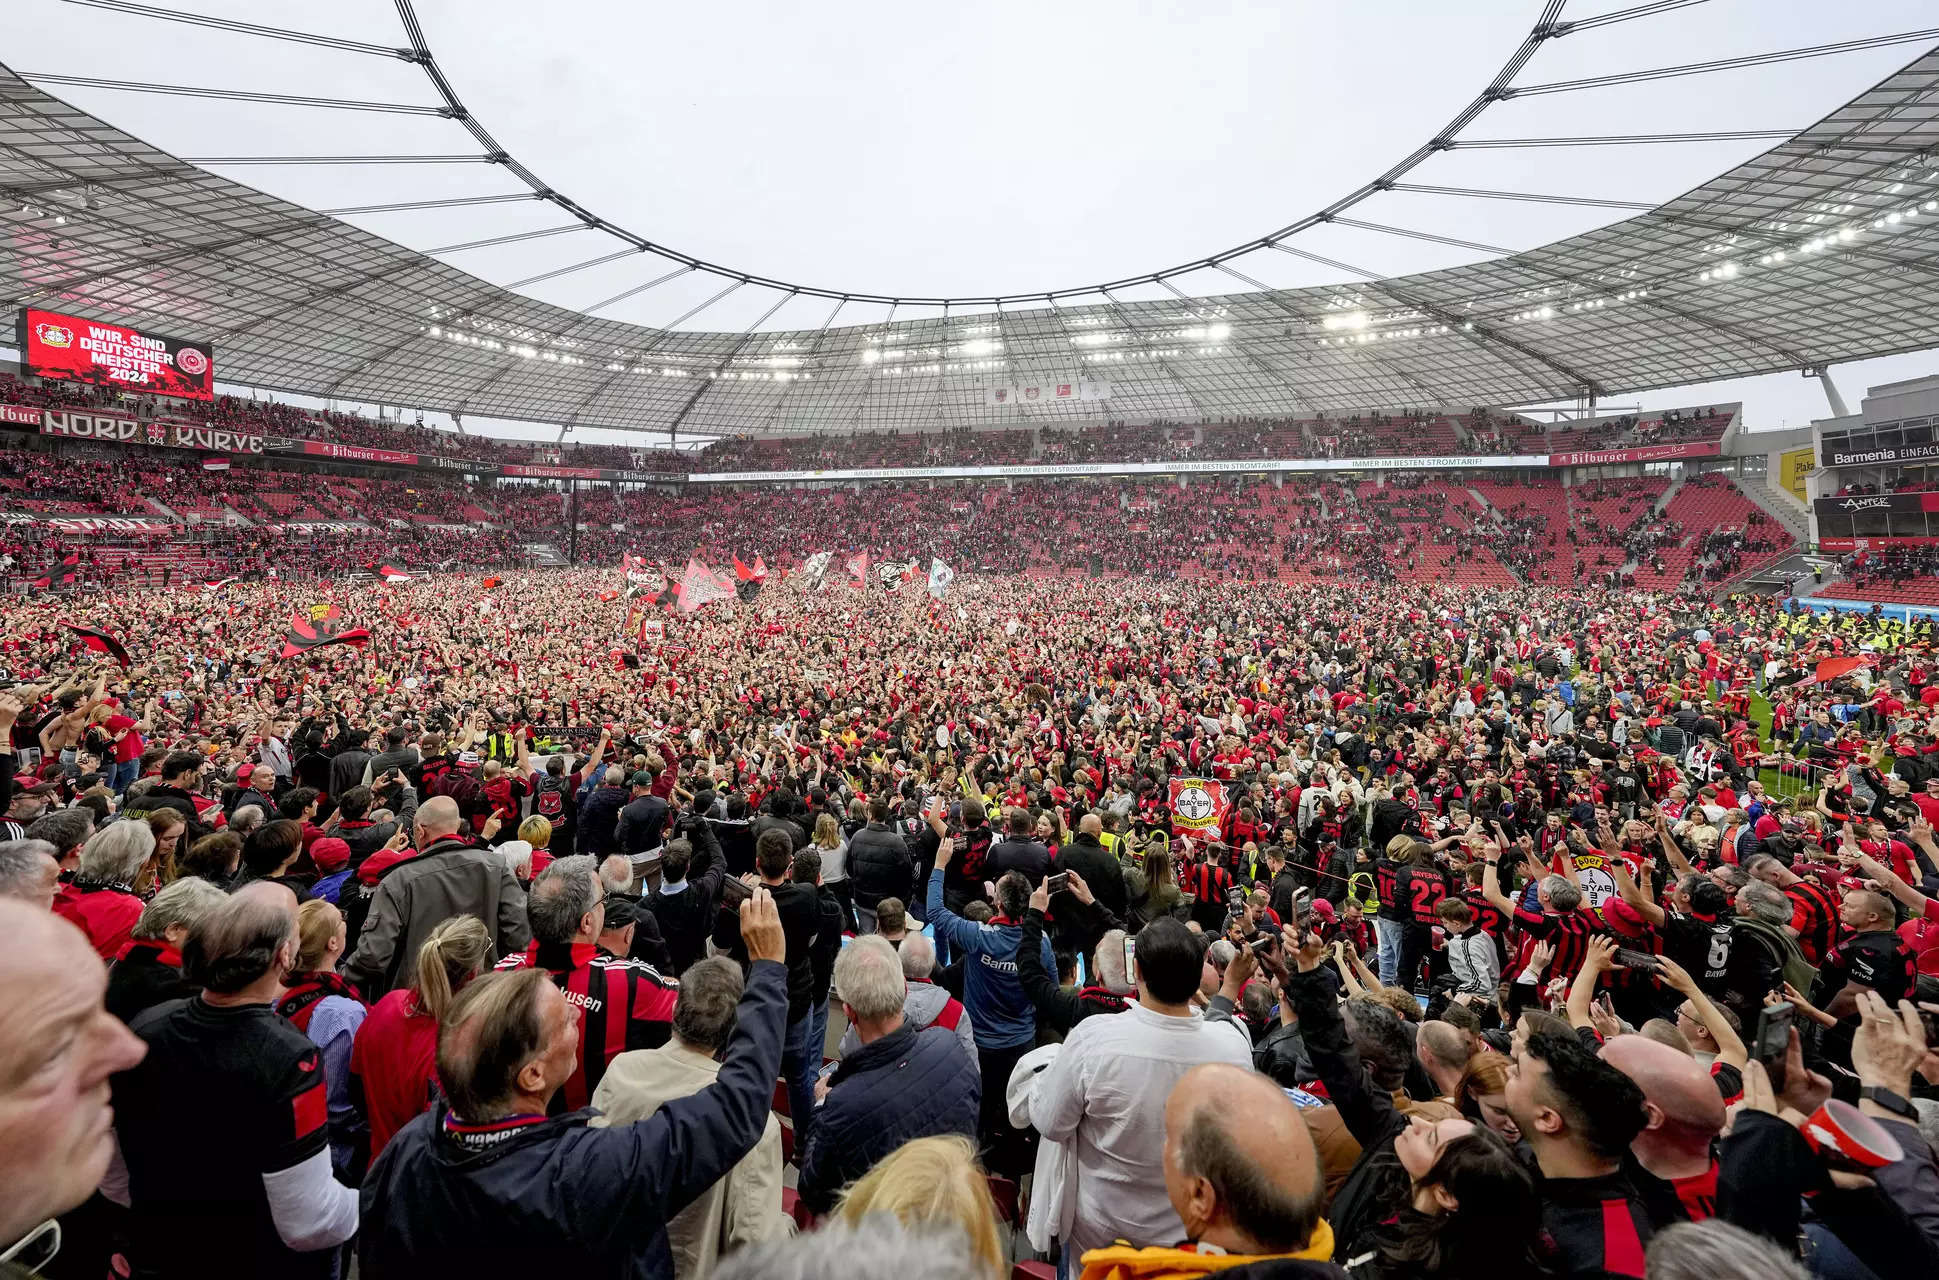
(330, 854)
(1623, 918)
(1323, 909)
(243, 771)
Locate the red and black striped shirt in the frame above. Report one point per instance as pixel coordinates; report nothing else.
(1814, 915)
(1569, 934)
(1207, 881)
(623, 1004)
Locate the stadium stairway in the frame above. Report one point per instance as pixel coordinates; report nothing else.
(1780, 507)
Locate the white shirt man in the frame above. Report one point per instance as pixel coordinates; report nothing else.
(1104, 1097)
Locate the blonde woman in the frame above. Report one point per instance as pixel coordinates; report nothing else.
(932, 1184)
(829, 841)
(395, 1054)
(325, 1007)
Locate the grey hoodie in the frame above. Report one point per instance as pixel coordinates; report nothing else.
(921, 1006)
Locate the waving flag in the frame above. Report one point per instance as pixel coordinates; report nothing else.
(858, 564)
(700, 585)
(489, 583)
(318, 628)
(1831, 668)
(940, 576)
(760, 567)
(607, 597)
(99, 641)
(749, 573)
(219, 583)
(636, 569)
(46, 580)
(389, 574)
(813, 570)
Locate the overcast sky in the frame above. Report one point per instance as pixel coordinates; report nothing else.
(951, 150)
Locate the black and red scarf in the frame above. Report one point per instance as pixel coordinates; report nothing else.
(302, 992)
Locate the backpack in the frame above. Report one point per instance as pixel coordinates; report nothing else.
(551, 800)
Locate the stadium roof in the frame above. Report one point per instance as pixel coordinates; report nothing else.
(1818, 251)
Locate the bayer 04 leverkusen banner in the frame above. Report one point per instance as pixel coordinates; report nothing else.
(1197, 804)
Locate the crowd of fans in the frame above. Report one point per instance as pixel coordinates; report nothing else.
(1136, 928)
(259, 515)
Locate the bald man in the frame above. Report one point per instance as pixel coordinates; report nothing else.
(58, 1047)
(1101, 873)
(1241, 1174)
(1686, 1112)
(1443, 1050)
(447, 876)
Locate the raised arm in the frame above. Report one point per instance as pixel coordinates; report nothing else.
(1730, 1045)
(1637, 896)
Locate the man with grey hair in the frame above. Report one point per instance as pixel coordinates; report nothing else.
(100, 900)
(925, 1004)
(623, 1003)
(1764, 954)
(1560, 919)
(259, 1182)
(745, 1206)
(448, 876)
(29, 871)
(901, 1084)
(148, 971)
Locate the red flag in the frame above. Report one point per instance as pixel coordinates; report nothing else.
(317, 629)
(607, 597)
(760, 567)
(99, 641)
(858, 564)
(743, 573)
(73, 558)
(1831, 668)
(46, 580)
(389, 574)
(489, 583)
(700, 585)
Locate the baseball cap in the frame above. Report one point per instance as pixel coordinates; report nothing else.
(1623, 918)
(643, 779)
(621, 911)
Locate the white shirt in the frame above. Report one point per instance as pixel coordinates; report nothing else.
(1104, 1098)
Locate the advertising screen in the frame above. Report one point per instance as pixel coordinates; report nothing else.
(53, 345)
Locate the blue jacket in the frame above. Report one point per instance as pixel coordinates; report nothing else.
(551, 1195)
(1000, 1012)
(599, 807)
(909, 1084)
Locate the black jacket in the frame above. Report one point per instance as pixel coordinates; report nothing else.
(736, 837)
(1025, 855)
(1056, 1008)
(559, 1197)
(145, 975)
(799, 906)
(1282, 1055)
(642, 825)
(879, 865)
(347, 771)
(687, 917)
(598, 813)
(366, 837)
(1096, 867)
(905, 1086)
(796, 834)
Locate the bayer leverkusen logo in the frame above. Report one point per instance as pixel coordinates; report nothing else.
(1197, 803)
(191, 362)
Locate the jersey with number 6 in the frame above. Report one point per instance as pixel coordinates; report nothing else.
(1701, 944)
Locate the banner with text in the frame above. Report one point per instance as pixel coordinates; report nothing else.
(1641, 453)
(79, 425)
(1027, 394)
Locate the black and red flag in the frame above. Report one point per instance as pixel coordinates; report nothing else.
(46, 580)
(99, 641)
(320, 626)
